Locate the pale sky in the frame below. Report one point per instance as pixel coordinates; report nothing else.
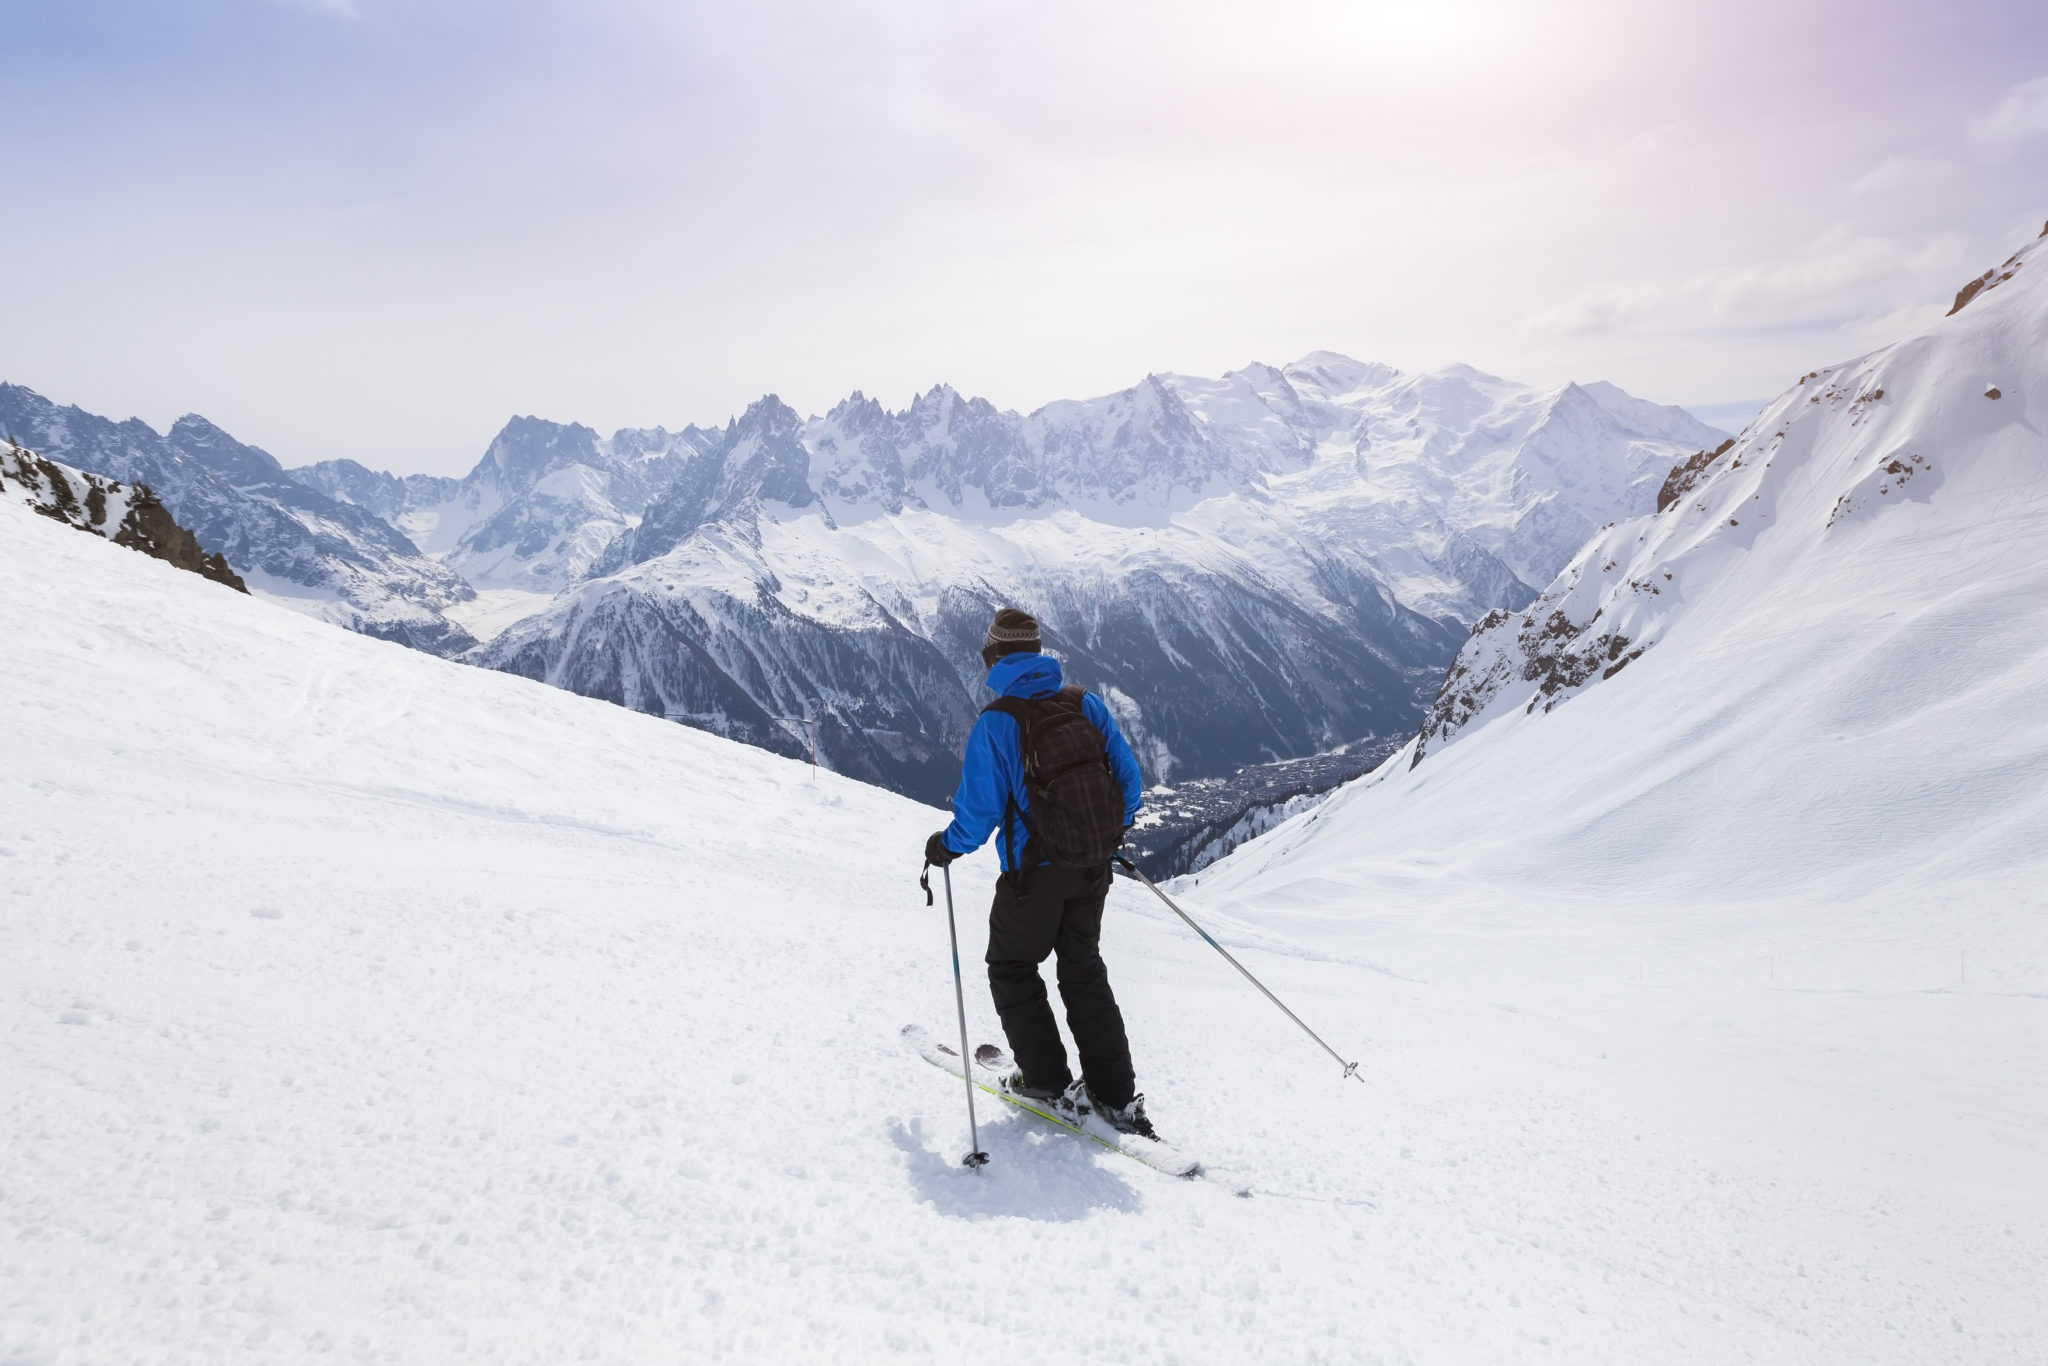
(378, 228)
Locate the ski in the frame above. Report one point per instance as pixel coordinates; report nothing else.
(1157, 1154)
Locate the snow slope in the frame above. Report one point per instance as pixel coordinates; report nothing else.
(357, 1003)
(1820, 674)
(1763, 778)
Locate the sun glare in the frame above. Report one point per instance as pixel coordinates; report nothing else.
(1405, 34)
(1416, 27)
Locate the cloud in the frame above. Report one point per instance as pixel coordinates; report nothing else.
(1841, 279)
(1594, 314)
(2017, 119)
(1840, 275)
(1899, 173)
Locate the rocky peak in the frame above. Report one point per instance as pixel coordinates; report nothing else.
(764, 460)
(194, 436)
(527, 449)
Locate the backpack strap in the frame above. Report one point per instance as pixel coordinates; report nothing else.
(1018, 710)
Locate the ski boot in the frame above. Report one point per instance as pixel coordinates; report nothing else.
(1126, 1119)
(1010, 1077)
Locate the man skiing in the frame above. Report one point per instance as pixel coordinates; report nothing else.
(1049, 772)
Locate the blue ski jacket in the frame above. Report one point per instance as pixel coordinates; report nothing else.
(992, 772)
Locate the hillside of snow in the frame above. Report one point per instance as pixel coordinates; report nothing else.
(1818, 677)
(1766, 772)
(361, 1004)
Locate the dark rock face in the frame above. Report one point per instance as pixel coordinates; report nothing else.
(1213, 671)
(1543, 646)
(754, 671)
(150, 528)
(1990, 279)
(1688, 473)
(239, 499)
(142, 523)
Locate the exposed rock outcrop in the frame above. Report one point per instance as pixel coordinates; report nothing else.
(126, 514)
(1689, 472)
(293, 544)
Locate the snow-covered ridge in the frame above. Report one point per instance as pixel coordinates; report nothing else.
(1845, 447)
(127, 514)
(291, 543)
(1820, 672)
(1299, 544)
(1519, 472)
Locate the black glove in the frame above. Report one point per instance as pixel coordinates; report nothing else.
(935, 851)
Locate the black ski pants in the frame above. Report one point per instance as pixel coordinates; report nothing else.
(1051, 910)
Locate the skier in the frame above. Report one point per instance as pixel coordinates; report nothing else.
(1047, 766)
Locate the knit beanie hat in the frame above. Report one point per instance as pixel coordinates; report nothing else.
(1010, 633)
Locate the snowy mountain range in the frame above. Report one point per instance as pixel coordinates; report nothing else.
(1253, 568)
(326, 557)
(539, 508)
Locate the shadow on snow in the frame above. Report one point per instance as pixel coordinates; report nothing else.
(1034, 1172)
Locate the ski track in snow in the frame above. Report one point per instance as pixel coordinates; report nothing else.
(360, 1005)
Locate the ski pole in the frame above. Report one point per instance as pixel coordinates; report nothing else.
(1131, 870)
(976, 1158)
